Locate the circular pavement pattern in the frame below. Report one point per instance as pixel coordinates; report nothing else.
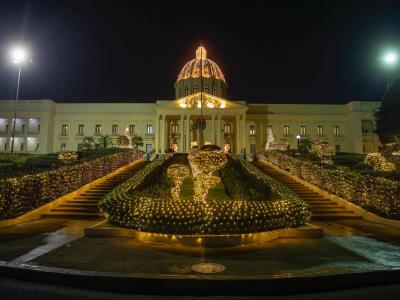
(208, 268)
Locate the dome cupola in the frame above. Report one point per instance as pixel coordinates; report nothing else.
(189, 79)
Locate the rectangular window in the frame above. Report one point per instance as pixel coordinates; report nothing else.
(149, 129)
(186, 91)
(63, 146)
(206, 88)
(132, 129)
(320, 130)
(336, 130)
(195, 89)
(303, 130)
(80, 129)
(114, 129)
(37, 147)
(286, 130)
(174, 128)
(22, 147)
(214, 91)
(252, 148)
(337, 148)
(38, 128)
(252, 129)
(64, 129)
(97, 129)
(227, 128)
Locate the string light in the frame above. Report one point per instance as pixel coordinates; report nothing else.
(370, 191)
(324, 151)
(131, 205)
(21, 194)
(378, 162)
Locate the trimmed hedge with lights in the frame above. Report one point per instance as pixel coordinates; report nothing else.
(128, 206)
(374, 193)
(19, 195)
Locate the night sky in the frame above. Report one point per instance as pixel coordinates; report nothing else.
(273, 52)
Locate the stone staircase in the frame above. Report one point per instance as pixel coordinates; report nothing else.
(85, 204)
(322, 208)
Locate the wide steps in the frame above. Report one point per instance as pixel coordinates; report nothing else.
(322, 208)
(75, 215)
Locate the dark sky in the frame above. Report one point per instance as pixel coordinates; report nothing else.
(273, 52)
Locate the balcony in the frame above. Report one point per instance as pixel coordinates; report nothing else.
(149, 136)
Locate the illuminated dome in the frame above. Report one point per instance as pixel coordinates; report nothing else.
(192, 68)
(189, 79)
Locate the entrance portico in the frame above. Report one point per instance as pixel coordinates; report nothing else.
(176, 123)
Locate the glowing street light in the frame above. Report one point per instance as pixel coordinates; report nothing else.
(390, 60)
(298, 142)
(18, 56)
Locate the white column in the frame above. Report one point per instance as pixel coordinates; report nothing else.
(181, 136)
(187, 133)
(213, 129)
(157, 133)
(162, 146)
(237, 135)
(244, 133)
(219, 143)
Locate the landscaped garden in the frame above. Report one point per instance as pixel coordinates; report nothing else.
(205, 192)
(53, 176)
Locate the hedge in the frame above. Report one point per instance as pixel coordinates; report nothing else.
(126, 207)
(374, 193)
(21, 194)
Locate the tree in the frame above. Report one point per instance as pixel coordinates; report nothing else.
(88, 142)
(305, 145)
(105, 141)
(387, 116)
(137, 141)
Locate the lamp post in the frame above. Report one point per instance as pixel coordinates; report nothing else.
(298, 142)
(390, 60)
(18, 56)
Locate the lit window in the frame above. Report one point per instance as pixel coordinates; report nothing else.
(174, 128)
(186, 90)
(98, 129)
(115, 129)
(195, 89)
(286, 130)
(303, 130)
(64, 129)
(206, 88)
(227, 128)
(63, 146)
(336, 132)
(149, 129)
(252, 129)
(80, 129)
(320, 130)
(214, 91)
(132, 129)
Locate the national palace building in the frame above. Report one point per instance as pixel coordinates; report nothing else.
(47, 126)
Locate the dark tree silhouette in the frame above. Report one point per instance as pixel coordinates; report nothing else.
(388, 115)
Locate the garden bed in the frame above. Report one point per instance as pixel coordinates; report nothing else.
(369, 190)
(244, 201)
(19, 195)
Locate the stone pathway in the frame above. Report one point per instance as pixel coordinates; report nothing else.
(322, 207)
(85, 204)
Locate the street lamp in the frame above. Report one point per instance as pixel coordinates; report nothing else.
(19, 56)
(298, 142)
(390, 59)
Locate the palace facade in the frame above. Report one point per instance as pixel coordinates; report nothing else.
(46, 126)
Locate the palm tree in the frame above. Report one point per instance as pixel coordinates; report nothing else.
(105, 141)
(88, 142)
(137, 141)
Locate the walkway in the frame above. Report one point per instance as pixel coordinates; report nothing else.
(322, 207)
(85, 204)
